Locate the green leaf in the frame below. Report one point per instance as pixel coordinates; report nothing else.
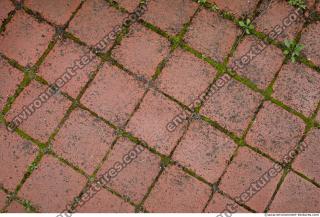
(242, 24)
(287, 43)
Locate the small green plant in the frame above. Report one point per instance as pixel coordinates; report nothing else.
(215, 8)
(202, 1)
(32, 167)
(292, 50)
(298, 3)
(27, 205)
(246, 25)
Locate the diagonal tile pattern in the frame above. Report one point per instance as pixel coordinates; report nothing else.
(146, 78)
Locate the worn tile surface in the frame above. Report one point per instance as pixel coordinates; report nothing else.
(275, 131)
(16, 155)
(10, 80)
(212, 35)
(296, 196)
(25, 39)
(177, 192)
(158, 106)
(53, 185)
(58, 12)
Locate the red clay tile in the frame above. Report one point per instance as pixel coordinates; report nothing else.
(221, 204)
(309, 40)
(25, 39)
(170, 15)
(130, 5)
(299, 87)
(150, 122)
(15, 156)
(46, 112)
(3, 199)
(73, 143)
(135, 177)
(252, 60)
(233, 106)
(16, 207)
(177, 191)
(296, 195)
(238, 8)
(58, 11)
(52, 185)
(94, 21)
(280, 18)
(275, 131)
(105, 202)
(308, 162)
(10, 79)
(67, 54)
(113, 94)
(250, 173)
(212, 35)
(5, 7)
(141, 51)
(205, 150)
(186, 77)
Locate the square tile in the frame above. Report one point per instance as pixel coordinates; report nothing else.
(170, 15)
(52, 185)
(252, 60)
(275, 131)
(249, 179)
(15, 156)
(38, 111)
(9, 82)
(176, 191)
(308, 161)
(205, 150)
(185, 77)
(106, 202)
(239, 8)
(5, 7)
(311, 45)
(150, 122)
(212, 35)
(58, 11)
(113, 94)
(83, 140)
(142, 51)
(296, 195)
(25, 39)
(67, 55)
(298, 86)
(94, 21)
(136, 169)
(233, 106)
(220, 203)
(280, 21)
